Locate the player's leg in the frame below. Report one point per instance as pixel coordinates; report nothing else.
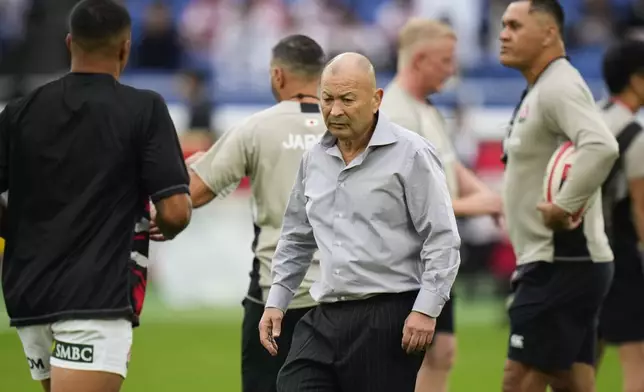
(552, 321)
(36, 342)
(90, 355)
(588, 306)
(528, 346)
(581, 377)
(622, 323)
(518, 377)
(309, 364)
(438, 361)
(568, 324)
(437, 364)
(535, 375)
(631, 356)
(259, 368)
(609, 320)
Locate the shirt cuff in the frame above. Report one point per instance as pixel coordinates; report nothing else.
(279, 297)
(429, 303)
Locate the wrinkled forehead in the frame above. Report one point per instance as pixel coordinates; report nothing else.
(342, 84)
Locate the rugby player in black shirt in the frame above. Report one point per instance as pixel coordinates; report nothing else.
(81, 157)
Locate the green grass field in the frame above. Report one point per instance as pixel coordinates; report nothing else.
(198, 350)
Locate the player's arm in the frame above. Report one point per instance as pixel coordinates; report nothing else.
(222, 166)
(475, 198)
(431, 211)
(634, 168)
(295, 248)
(571, 109)
(164, 172)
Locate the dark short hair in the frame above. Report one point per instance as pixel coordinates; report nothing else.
(95, 23)
(301, 54)
(552, 8)
(621, 62)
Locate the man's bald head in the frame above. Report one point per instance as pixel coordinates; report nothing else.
(351, 65)
(349, 95)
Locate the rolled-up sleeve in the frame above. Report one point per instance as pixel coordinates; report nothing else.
(295, 248)
(430, 208)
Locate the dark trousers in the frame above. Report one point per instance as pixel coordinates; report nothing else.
(259, 368)
(352, 346)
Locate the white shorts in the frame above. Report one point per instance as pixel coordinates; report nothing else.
(95, 345)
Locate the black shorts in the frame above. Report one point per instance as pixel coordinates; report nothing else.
(259, 368)
(445, 322)
(621, 318)
(554, 313)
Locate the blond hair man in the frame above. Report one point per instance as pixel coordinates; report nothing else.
(426, 60)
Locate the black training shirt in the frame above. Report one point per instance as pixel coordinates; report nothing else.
(78, 156)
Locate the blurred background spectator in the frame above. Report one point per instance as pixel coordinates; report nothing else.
(159, 46)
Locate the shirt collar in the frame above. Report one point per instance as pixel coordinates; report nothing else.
(382, 135)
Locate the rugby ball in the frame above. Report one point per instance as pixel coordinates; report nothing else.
(556, 173)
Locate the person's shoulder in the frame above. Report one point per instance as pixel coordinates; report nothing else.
(395, 100)
(616, 117)
(564, 82)
(411, 140)
(261, 118)
(142, 96)
(267, 114)
(16, 106)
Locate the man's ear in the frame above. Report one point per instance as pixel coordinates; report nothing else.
(68, 41)
(377, 99)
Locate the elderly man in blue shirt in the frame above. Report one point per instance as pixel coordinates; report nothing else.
(373, 197)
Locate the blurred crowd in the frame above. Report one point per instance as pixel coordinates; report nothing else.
(234, 37)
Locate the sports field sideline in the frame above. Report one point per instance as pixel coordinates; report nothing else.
(198, 350)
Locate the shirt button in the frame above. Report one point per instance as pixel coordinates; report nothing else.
(338, 243)
(342, 185)
(343, 298)
(339, 215)
(337, 272)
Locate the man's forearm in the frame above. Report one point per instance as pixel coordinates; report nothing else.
(592, 165)
(200, 193)
(474, 198)
(290, 264)
(472, 205)
(441, 267)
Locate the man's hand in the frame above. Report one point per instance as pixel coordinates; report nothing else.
(270, 327)
(155, 232)
(493, 203)
(418, 332)
(557, 219)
